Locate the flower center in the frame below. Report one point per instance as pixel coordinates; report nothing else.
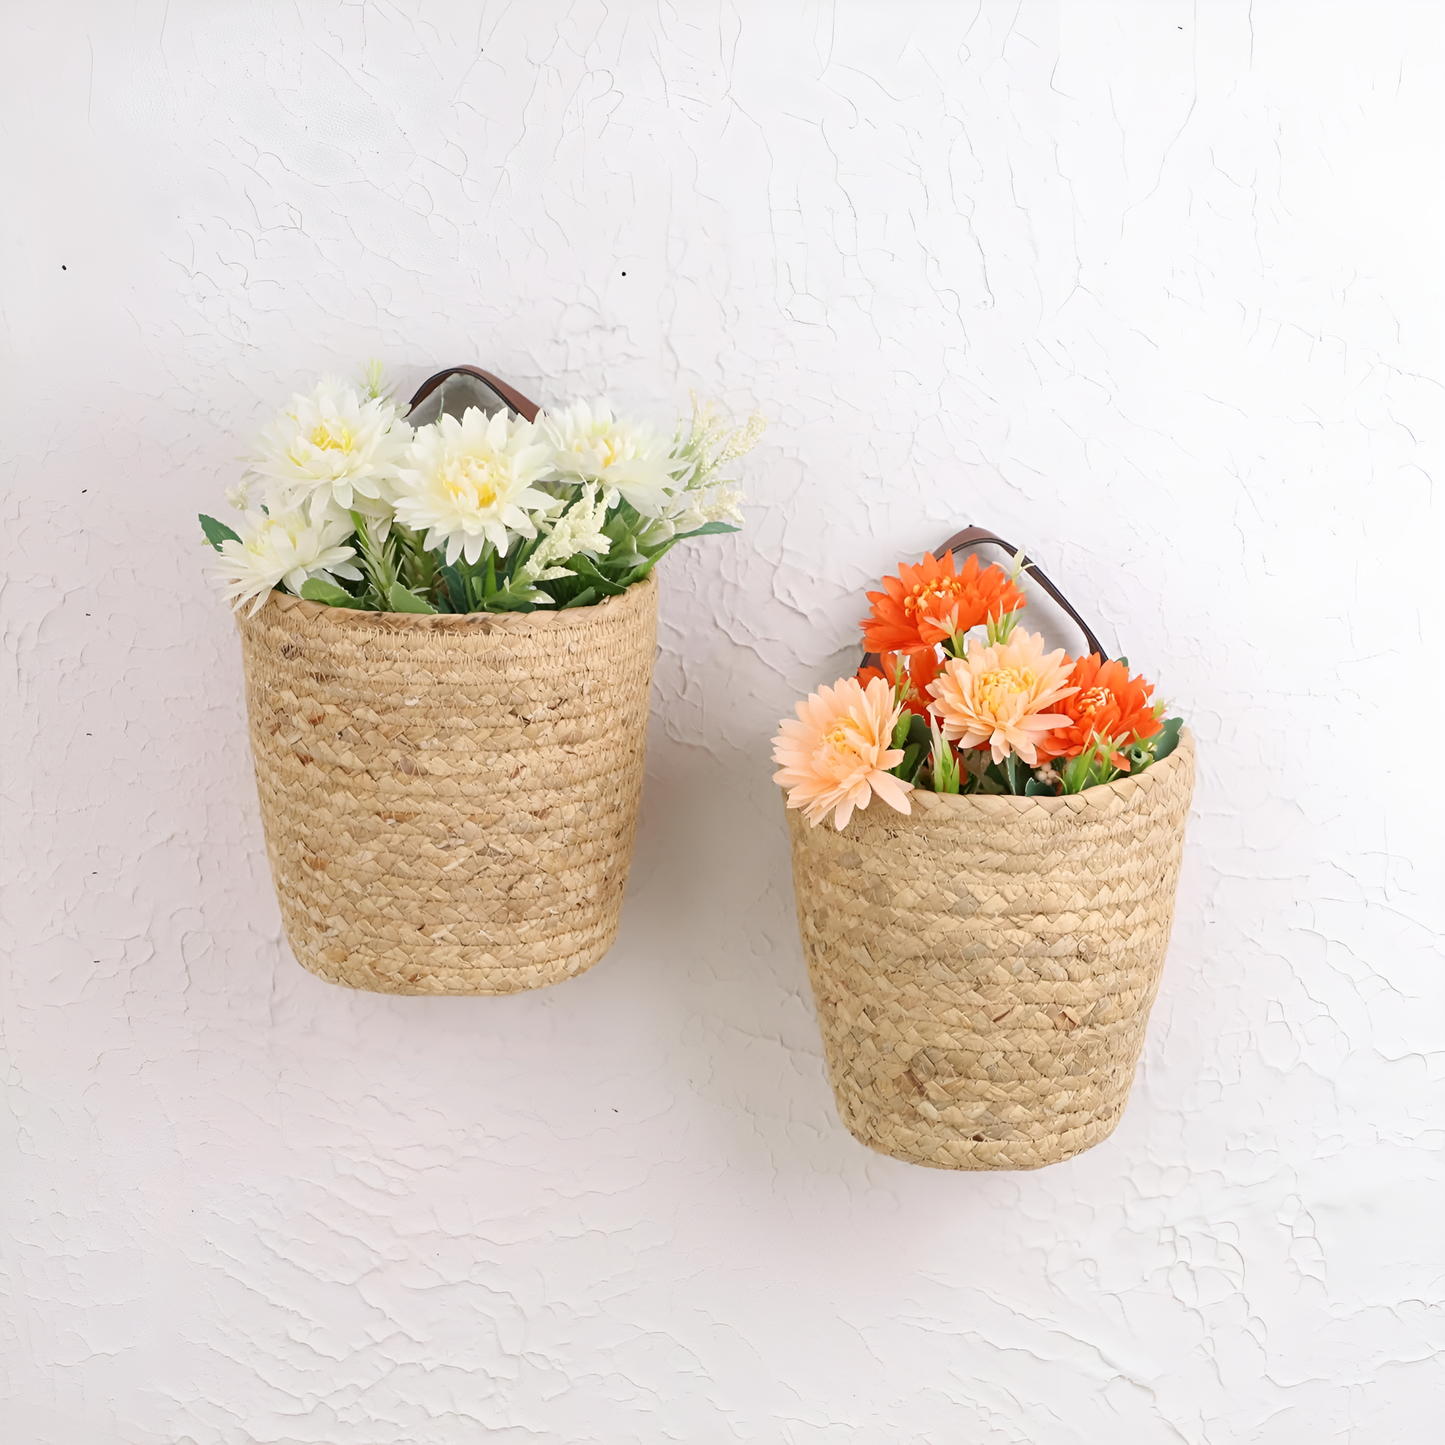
(470, 482)
(837, 752)
(921, 599)
(265, 534)
(333, 436)
(602, 450)
(1095, 699)
(994, 687)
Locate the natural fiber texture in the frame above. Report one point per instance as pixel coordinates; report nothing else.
(984, 968)
(450, 801)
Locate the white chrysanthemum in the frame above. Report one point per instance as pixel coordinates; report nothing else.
(466, 483)
(591, 445)
(331, 452)
(578, 529)
(283, 547)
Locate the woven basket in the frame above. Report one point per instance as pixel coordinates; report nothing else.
(984, 967)
(450, 801)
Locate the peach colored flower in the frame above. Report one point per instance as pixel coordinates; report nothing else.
(836, 755)
(1000, 696)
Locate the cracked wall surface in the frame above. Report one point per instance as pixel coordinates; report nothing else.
(1153, 288)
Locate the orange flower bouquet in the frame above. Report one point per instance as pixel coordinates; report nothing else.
(984, 948)
(961, 699)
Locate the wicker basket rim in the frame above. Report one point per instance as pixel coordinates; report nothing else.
(996, 805)
(522, 622)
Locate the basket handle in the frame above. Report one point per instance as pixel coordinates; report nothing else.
(524, 408)
(972, 538)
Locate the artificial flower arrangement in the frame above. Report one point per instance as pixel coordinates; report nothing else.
(346, 504)
(953, 711)
(983, 973)
(448, 630)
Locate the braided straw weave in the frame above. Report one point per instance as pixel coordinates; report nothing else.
(984, 968)
(450, 801)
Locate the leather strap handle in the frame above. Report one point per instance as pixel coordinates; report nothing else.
(524, 408)
(969, 540)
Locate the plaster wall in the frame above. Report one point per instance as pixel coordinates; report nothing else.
(1154, 288)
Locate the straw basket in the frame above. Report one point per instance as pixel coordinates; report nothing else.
(984, 968)
(450, 801)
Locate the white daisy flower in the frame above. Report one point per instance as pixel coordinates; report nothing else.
(591, 445)
(466, 483)
(332, 451)
(282, 547)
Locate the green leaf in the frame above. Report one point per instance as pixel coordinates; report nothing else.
(708, 529)
(947, 776)
(641, 572)
(1139, 756)
(901, 730)
(622, 522)
(583, 568)
(505, 600)
(403, 601)
(418, 566)
(654, 554)
(912, 761)
(317, 590)
(1167, 738)
(1123, 660)
(1037, 789)
(1015, 774)
(217, 532)
(918, 731)
(582, 599)
(1073, 773)
(456, 587)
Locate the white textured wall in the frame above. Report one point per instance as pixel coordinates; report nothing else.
(1156, 288)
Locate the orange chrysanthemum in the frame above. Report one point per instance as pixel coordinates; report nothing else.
(1108, 704)
(910, 671)
(925, 604)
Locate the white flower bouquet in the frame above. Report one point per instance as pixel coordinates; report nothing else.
(448, 626)
(345, 503)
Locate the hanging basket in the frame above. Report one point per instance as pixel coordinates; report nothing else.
(984, 967)
(450, 801)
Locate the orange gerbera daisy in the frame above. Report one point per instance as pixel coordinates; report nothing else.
(912, 671)
(925, 604)
(1109, 704)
